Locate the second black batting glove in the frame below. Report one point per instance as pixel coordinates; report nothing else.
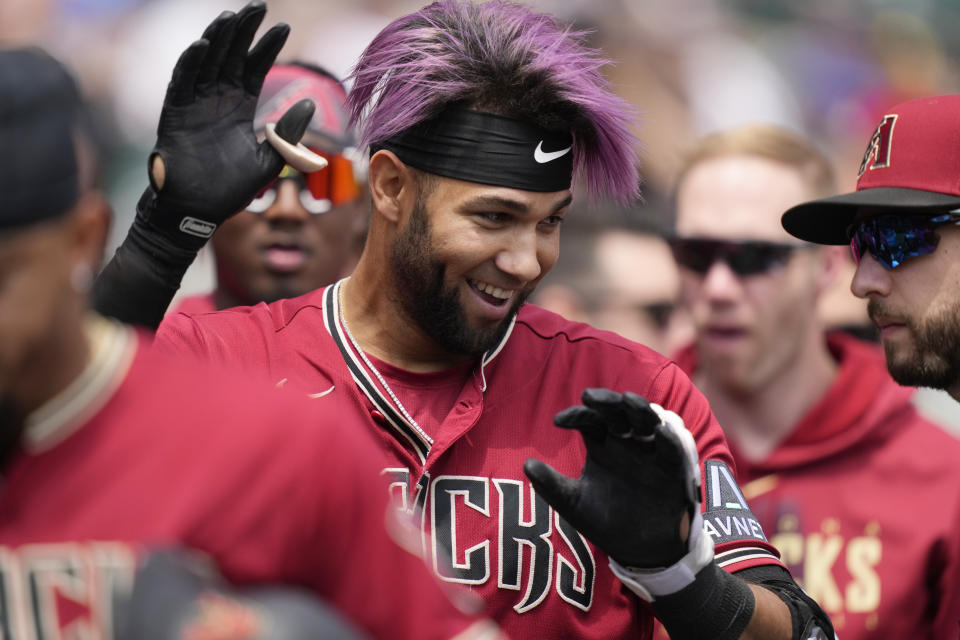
(638, 496)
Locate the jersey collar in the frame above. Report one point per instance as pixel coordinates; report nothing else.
(367, 381)
(112, 348)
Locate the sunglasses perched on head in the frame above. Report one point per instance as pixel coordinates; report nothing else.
(320, 191)
(893, 239)
(745, 258)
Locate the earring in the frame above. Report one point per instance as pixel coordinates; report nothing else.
(81, 278)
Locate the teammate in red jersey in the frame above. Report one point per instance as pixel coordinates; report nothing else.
(477, 115)
(902, 226)
(305, 230)
(814, 421)
(109, 451)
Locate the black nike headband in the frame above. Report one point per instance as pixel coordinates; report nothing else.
(488, 149)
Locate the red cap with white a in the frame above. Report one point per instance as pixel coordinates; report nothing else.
(911, 167)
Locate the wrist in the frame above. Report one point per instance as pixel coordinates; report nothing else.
(652, 583)
(715, 605)
(164, 229)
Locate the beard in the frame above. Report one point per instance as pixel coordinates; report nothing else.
(935, 359)
(423, 295)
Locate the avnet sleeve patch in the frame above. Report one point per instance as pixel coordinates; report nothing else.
(727, 517)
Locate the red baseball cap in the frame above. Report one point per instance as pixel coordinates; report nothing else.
(286, 84)
(911, 167)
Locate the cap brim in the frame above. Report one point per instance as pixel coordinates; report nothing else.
(825, 221)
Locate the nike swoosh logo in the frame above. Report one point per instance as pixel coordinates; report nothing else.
(543, 157)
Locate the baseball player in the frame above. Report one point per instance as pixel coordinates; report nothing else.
(110, 451)
(901, 225)
(477, 116)
(304, 230)
(816, 425)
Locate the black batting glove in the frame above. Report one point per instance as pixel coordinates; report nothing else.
(638, 496)
(211, 163)
(206, 166)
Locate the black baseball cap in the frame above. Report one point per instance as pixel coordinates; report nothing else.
(39, 109)
(911, 167)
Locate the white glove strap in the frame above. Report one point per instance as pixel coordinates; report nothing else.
(650, 583)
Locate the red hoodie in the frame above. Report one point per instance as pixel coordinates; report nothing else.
(863, 501)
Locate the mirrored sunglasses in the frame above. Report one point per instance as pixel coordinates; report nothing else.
(320, 191)
(749, 257)
(893, 239)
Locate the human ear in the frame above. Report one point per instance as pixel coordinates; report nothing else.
(90, 222)
(392, 186)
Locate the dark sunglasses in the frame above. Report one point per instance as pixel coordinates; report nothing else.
(320, 191)
(892, 239)
(746, 258)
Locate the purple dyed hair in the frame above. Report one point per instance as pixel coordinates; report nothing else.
(501, 58)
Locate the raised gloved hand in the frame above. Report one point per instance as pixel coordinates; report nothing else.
(207, 163)
(638, 497)
(206, 166)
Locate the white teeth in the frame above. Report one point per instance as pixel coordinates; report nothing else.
(489, 289)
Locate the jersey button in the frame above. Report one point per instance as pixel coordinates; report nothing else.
(378, 417)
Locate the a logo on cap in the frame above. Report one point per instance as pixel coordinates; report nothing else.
(880, 145)
(542, 157)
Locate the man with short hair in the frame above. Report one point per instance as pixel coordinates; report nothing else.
(477, 115)
(109, 451)
(597, 283)
(304, 230)
(816, 426)
(902, 226)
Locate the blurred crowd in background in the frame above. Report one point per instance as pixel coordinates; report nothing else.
(824, 68)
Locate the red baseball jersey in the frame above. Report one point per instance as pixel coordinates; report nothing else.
(863, 501)
(483, 526)
(140, 453)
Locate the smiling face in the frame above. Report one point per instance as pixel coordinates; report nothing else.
(749, 327)
(468, 257)
(916, 308)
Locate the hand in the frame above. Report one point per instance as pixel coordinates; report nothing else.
(639, 489)
(207, 163)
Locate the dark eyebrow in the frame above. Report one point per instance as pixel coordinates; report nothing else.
(563, 203)
(499, 202)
